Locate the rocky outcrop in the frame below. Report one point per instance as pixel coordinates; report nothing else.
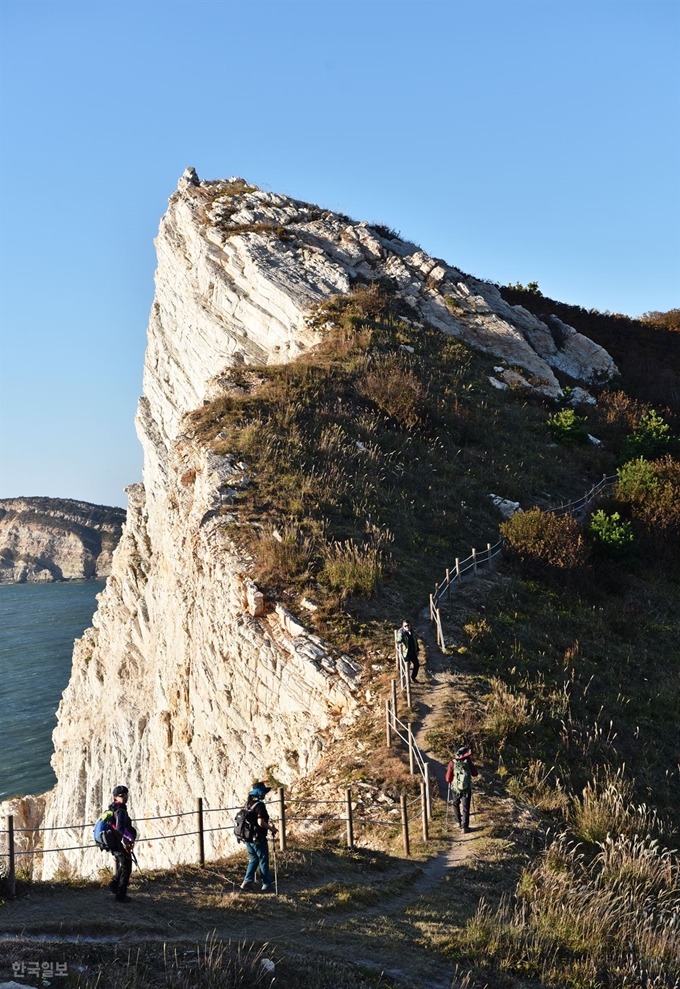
(46, 539)
(191, 683)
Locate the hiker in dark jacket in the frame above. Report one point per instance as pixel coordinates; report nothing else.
(120, 839)
(459, 775)
(408, 644)
(258, 849)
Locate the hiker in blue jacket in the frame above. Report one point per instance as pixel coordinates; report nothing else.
(119, 840)
(258, 849)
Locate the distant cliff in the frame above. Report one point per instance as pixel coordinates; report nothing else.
(45, 539)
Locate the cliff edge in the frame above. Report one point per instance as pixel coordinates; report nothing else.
(191, 682)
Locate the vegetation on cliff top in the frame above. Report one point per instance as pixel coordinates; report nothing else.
(372, 460)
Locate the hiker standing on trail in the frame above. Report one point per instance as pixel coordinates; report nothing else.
(459, 775)
(258, 849)
(408, 644)
(120, 838)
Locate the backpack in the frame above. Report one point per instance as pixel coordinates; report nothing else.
(104, 831)
(246, 827)
(462, 777)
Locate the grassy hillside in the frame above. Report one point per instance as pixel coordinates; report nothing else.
(372, 462)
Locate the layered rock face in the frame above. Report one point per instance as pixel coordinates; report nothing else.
(46, 539)
(190, 683)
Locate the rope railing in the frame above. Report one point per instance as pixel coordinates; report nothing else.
(483, 559)
(349, 819)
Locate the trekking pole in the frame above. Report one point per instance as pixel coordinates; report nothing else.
(276, 874)
(134, 859)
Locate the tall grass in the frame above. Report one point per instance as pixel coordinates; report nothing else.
(353, 568)
(213, 964)
(611, 920)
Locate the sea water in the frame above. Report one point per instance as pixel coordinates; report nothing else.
(38, 624)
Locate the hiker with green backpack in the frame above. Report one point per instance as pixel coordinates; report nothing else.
(459, 775)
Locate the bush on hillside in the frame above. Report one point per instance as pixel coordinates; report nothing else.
(651, 490)
(391, 384)
(637, 480)
(651, 439)
(542, 541)
(610, 534)
(669, 320)
(567, 427)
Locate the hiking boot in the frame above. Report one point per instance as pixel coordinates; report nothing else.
(123, 898)
(245, 886)
(113, 886)
(267, 889)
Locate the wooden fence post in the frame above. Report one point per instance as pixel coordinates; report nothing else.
(457, 568)
(431, 609)
(201, 846)
(388, 724)
(428, 793)
(411, 761)
(394, 704)
(488, 554)
(350, 828)
(423, 809)
(448, 584)
(11, 874)
(474, 561)
(407, 675)
(404, 825)
(282, 820)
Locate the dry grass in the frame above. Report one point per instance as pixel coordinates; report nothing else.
(612, 920)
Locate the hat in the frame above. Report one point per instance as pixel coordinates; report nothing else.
(464, 752)
(259, 790)
(120, 791)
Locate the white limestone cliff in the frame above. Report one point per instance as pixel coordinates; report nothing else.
(48, 539)
(190, 683)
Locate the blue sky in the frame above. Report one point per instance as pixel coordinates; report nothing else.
(518, 139)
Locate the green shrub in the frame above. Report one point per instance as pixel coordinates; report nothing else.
(544, 540)
(652, 490)
(651, 438)
(637, 480)
(531, 288)
(567, 427)
(610, 533)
